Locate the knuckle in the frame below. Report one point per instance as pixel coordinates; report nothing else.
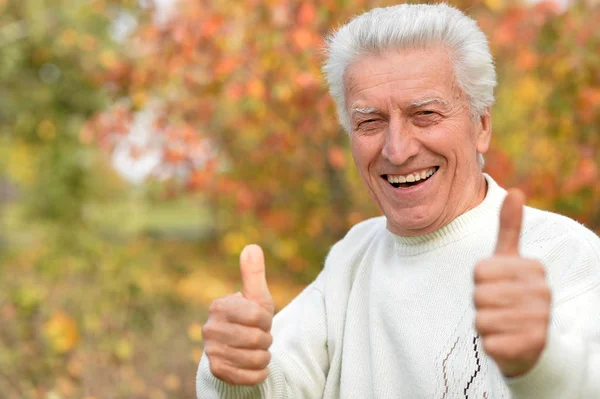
(262, 359)
(479, 273)
(269, 340)
(216, 306)
(208, 330)
(214, 331)
(542, 317)
(534, 268)
(255, 359)
(489, 346)
(540, 269)
(543, 291)
(254, 316)
(255, 338)
(479, 323)
(212, 351)
(262, 375)
(537, 339)
(218, 369)
(479, 297)
(246, 377)
(237, 377)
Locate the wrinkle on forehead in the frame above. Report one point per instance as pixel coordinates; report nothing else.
(351, 81)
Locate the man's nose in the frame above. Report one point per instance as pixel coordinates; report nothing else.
(400, 143)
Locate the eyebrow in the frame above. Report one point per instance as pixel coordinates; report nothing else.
(414, 104)
(368, 110)
(427, 101)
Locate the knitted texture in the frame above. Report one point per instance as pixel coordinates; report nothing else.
(393, 317)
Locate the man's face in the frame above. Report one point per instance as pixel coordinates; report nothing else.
(409, 119)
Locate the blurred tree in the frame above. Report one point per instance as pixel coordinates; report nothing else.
(243, 114)
(52, 54)
(547, 117)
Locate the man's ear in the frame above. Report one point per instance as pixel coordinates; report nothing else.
(484, 134)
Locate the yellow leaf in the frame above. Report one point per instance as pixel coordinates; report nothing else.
(195, 331)
(46, 130)
(287, 249)
(203, 287)
(21, 164)
(139, 99)
(157, 394)
(69, 37)
(283, 92)
(62, 332)
(172, 382)
(234, 242)
(108, 58)
(196, 354)
(494, 5)
(124, 349)
(528, 91)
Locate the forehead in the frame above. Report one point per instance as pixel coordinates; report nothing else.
(400, 76)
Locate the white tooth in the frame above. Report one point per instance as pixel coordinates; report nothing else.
(410, 178)
(395, 179)
(390, 179)
(401, 179)
(430, 172)
(417, 176)
(424, 175)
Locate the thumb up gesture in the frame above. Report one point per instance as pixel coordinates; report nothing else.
(512, 298)
(237, 335)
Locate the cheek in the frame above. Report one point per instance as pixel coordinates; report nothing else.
(361, 152)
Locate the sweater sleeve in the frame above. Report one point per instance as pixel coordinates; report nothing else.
(570, 364)
(299, 361)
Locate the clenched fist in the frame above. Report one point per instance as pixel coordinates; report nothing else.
(237, 334)
(512, 298)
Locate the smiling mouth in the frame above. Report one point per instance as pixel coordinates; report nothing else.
(412, 179)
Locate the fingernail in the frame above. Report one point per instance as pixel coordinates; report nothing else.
(247, 254)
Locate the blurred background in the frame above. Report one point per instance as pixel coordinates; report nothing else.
(143, 144)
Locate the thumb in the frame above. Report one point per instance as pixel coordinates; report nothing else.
(254, 281)
(511, 217)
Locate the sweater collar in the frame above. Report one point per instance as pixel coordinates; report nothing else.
(466, 224)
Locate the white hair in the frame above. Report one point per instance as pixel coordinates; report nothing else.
(414, 26)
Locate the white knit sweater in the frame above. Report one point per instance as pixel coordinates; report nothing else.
(392, 317)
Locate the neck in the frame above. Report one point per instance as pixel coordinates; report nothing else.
(470, 201)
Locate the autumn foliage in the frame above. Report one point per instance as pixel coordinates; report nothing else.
(242, 107)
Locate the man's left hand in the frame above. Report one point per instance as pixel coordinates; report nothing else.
(512, 298)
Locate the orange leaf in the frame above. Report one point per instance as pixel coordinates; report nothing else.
(336, 157)
(303, 38)
(307, 13)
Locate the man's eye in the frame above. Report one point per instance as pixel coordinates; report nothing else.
(426, 112)
(367, 122)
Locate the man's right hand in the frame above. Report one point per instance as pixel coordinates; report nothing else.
(237, 335)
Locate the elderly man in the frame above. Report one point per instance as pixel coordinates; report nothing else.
(449, 294)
